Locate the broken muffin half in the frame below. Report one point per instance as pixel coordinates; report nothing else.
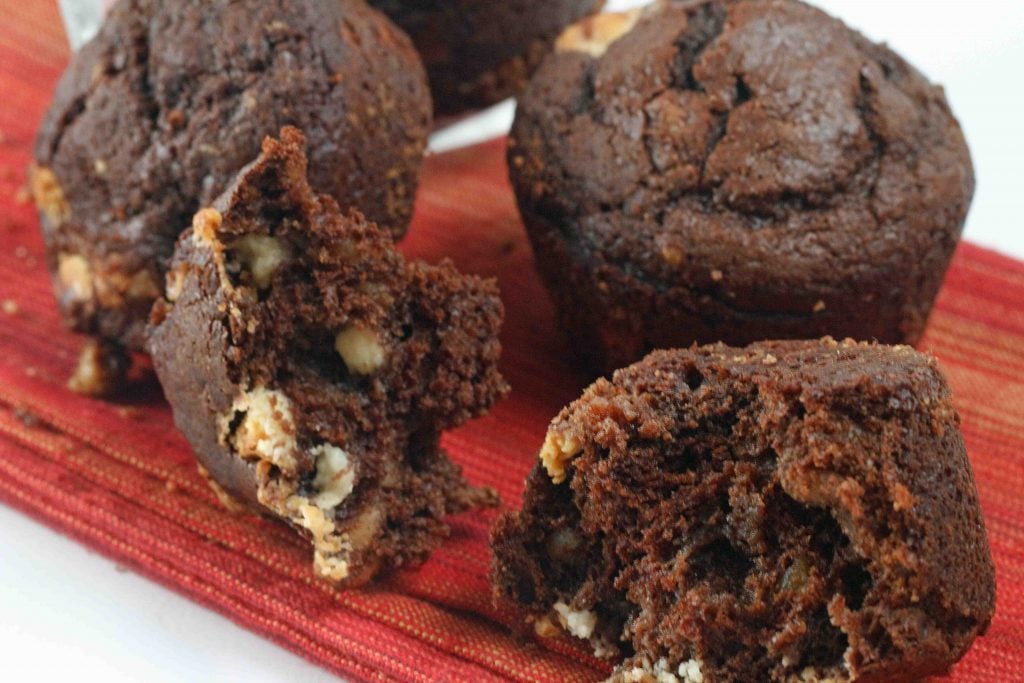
(313, 368)
(788, 511)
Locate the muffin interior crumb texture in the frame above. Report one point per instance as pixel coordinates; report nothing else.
(793, 511)
(313, 368)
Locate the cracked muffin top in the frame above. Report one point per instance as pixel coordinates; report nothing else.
(759, 153)
(154, 117)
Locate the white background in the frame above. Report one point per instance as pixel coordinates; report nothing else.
(69, 614)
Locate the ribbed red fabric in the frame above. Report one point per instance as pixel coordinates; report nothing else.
(120, 479)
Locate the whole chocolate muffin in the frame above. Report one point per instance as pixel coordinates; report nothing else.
(155, 116)
(735, 171)
(789, 511)
(478, 52)
(313, 369)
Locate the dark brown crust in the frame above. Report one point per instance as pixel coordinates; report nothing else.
(738, 171)
(478, 52)
(221, 336)
(707, 479)
(155, 116)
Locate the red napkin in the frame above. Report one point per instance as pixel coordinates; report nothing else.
(120, 479)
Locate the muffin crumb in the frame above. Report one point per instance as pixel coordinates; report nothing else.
(753, 514)
(313, 368)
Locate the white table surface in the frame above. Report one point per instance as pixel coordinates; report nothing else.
(67, 613)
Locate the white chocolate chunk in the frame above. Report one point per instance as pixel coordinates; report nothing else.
(662, 672)
(812, 675)
(335, 476)
(331, 549)
(580, 623)
(267, 431)
(261, 255)
(690, 671)
(75, 275)
(563, 545)
(360, 349)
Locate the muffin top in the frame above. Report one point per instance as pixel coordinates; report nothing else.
(747, 147)
(153, 118)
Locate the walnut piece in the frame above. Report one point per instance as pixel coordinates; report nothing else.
(557, 451)
(205, 225)
(364, 527)
(594, 34)
(267, 430)
(48, 195)
(545, 628)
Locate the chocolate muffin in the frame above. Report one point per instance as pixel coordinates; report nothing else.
(155, 116)
(735, 171)
(789, 511)
(478, 52)
(313, 369)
